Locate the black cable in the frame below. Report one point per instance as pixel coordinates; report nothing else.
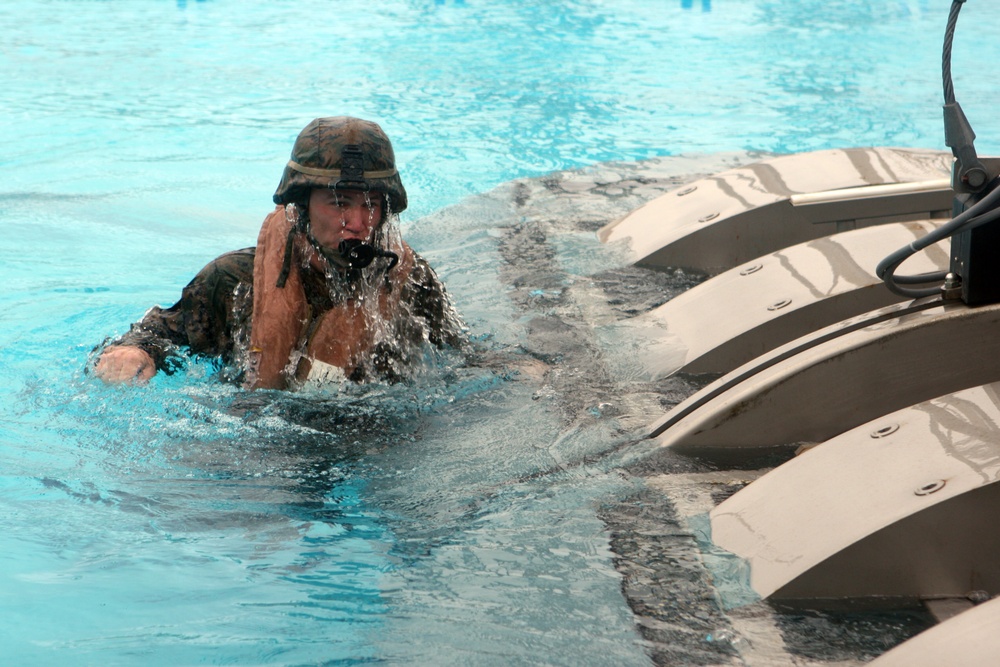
(958, 135)
(982, 212)
(949, 36)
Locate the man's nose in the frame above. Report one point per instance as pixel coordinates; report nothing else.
(356, 218)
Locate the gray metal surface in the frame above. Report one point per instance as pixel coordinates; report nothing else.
(901, 507)
(968, 640)
(738, 315)
(722, 221)
(834, 379)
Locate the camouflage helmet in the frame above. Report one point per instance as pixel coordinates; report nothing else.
(341, 152)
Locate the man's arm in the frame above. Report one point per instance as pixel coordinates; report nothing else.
(149, 345)
(202, 321)
(430, 301)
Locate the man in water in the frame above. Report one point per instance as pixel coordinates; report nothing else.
(330, 292)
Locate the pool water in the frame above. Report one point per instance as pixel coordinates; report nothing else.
(468, 517)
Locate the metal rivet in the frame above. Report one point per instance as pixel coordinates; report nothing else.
(687, 191)
(779, 305)
(928, 489)
(710, 216)
(885, 430)
(751, 269)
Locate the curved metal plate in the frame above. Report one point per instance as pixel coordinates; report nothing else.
(839, 377)
(716, 223)
(738, 315)
(902, 507)
(968, 640)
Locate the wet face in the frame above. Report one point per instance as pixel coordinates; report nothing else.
(335, 216)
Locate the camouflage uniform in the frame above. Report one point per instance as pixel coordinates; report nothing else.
(213, 317)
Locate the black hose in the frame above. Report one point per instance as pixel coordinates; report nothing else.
(959, 136)
(985, 210)
(949, 36)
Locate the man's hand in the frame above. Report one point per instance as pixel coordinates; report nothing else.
(125, 363)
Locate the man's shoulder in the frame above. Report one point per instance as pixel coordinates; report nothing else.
(241, 256)
(235, 265)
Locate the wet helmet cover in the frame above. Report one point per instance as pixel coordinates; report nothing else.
(341, 152)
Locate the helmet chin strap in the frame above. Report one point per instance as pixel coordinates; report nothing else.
(298, 225)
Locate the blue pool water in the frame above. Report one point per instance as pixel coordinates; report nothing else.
(452, 521)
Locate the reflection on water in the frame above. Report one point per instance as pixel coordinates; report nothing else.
(706, 5)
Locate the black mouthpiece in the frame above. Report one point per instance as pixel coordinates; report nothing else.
(356, 253)
(359, 254)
